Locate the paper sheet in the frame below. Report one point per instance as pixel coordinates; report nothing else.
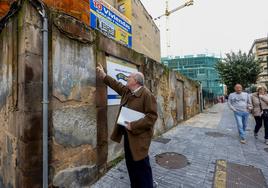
(129, 115)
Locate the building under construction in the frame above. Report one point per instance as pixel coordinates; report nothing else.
(56, 115)
(259, 49)
(201, 68)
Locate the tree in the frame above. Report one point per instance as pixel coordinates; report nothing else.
(238, 68)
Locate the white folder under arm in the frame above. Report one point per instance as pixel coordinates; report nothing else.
(128, 115)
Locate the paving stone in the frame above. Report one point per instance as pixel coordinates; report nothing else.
(201, 150)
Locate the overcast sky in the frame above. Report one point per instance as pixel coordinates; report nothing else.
(211, 26)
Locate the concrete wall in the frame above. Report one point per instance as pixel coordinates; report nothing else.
(146, 35)
(8, 141)
(73, 108)
(20, 110)
(80, 122)
(177, 96)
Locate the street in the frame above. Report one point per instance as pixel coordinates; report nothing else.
(67, 68)
(203, 139)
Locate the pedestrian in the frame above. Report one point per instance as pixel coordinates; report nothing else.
(260, 110)
(226, 98)
(137, 134)
(240, 104)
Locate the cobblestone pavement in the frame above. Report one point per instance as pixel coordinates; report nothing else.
(190, 139)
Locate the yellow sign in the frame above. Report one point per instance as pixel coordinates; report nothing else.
(110, 22)
(125, 7)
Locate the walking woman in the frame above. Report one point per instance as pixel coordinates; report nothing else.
(260, 110)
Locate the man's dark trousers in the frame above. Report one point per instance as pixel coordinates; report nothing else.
(140, 172)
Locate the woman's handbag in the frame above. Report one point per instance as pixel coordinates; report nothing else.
(264, 111)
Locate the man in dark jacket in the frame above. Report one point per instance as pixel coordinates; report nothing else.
(137, 134)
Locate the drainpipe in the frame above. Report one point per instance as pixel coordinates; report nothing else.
(45, 101)
(201, 97)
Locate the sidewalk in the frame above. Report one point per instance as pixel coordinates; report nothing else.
(207, 137)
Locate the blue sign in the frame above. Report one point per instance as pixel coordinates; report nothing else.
(110, 22)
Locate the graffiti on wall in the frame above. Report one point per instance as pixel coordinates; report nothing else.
(73, 70)
(74, 78)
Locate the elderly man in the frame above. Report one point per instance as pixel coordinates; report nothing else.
(240, 104)
(137, 134)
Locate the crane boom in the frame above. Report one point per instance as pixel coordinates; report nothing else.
(160, 16)
(178, 8)
(167, 13)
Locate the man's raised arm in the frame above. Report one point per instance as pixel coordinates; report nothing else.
(109, 81)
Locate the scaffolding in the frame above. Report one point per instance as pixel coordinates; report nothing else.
(201, 68)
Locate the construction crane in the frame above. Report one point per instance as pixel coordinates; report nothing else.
(167, 14)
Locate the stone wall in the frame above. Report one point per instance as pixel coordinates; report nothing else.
(21, 95)
(177, 96)
(8, 132)
(73, 109)
(80, 122)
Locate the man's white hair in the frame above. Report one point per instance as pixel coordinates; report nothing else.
(139, 77)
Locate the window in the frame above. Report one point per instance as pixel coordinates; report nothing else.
(201, 71)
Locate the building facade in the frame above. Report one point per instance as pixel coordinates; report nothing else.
(145, 33)
(259, 49)
(80, 119)
(201, 68)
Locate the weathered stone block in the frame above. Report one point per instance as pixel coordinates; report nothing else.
(28, 14)
(63, 157)
(30, 67)
(8, 159)
(159, 126)
(102, 136)
(74, 73)
(81, 176)
(31, 178)
(73, 28)
(29, 156)
(75, 126)
(11, 125)
(30, 97)
(115, 150)
(29, 126)
(30, 39)
(1, 182)
(101, 97)
(169, 121)
(119, 50)
(160, 106)
(5, 185)
(6, 69)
